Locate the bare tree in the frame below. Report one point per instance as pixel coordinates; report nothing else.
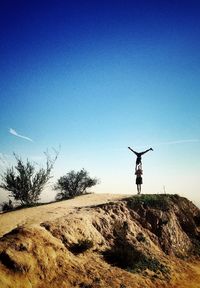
(24, 182)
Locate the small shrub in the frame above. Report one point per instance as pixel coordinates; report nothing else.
(150, 263)
(156, 201)
(127, 257)
(24, 183)
(74, 184)
(7, 206)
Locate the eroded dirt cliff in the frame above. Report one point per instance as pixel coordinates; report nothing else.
(146, 241)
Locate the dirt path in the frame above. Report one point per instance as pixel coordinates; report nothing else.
(11, 220)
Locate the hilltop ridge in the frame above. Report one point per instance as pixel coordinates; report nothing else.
(139, 241)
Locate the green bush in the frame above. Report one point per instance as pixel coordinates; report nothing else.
(74, 184)
(7, 206)
(156, 201)
(126, 256)
(149, 263)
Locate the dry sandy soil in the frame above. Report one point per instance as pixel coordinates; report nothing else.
(37, 254)
(37, 215)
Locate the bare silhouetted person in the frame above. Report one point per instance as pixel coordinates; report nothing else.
(138, 173)
(139, 156)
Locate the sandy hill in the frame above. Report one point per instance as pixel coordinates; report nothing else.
(102, 241)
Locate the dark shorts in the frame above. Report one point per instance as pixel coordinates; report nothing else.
(138, 160)
(139, 180)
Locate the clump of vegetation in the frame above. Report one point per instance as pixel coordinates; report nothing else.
(157, 201)
(149, 263)
(82, 246)
(127, 257)
(24, 183)
(123, 255)
(7, 206)
(74, 184)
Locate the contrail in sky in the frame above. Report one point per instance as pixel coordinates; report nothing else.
(179, 141)
(172, 142)
(13, 132)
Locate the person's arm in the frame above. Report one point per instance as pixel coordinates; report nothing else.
(146, 151)
(136, 153)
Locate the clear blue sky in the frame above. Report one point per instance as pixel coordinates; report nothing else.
(98, 76)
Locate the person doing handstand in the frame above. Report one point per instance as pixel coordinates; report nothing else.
(138, 173)
(139, 156)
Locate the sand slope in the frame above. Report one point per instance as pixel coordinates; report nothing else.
(44, 250)
(37, 215)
